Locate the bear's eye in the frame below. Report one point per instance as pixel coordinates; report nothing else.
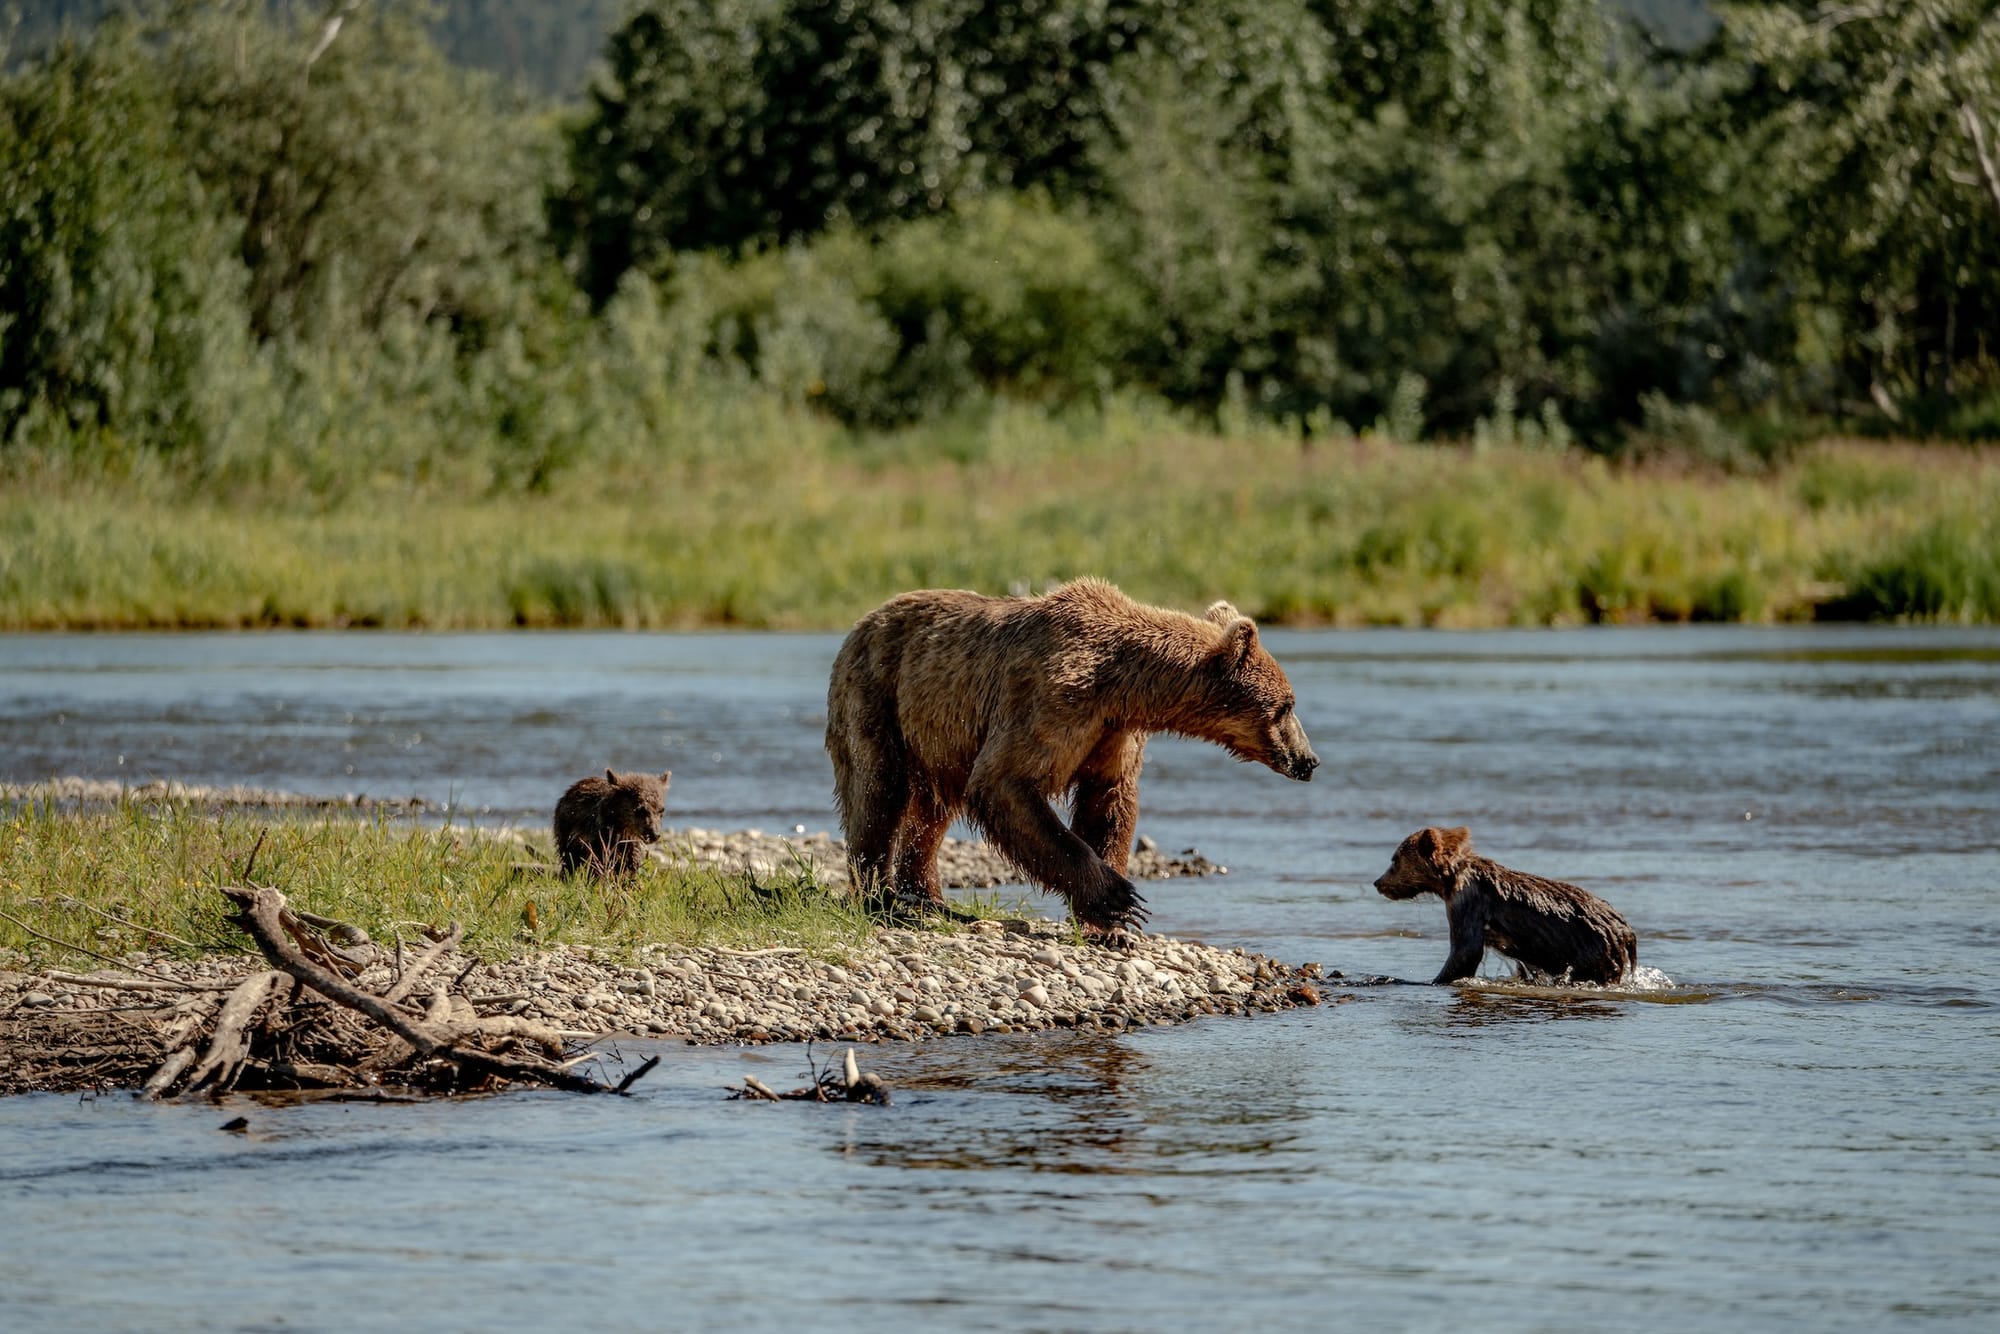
(1284, 711)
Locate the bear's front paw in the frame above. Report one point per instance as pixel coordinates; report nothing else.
(1114, 914)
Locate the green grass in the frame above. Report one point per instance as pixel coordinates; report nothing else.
(1341, 532)
(145, 877)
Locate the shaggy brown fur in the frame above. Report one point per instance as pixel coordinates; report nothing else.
(1550, 926)
(605, 823)
(945, 703)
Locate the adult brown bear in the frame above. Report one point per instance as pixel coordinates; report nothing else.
(946, 702)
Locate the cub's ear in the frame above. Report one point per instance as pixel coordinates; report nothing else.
(611, 778)
(1453, 844)
(1239, 640)
(1424, 842)
(666, 777)
(1220, 613)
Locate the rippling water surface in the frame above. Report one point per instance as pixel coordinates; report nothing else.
(1802, 826)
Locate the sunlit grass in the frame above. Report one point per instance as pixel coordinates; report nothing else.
(1334, 532)
(145, 877)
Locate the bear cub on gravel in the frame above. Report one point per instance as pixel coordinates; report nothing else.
(1547, 925)
(605, 823)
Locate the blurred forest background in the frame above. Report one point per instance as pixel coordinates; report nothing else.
(753, 311)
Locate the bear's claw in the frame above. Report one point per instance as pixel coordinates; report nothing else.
(1114, 915)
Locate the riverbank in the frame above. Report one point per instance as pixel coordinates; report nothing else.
(1336, 532)
(114, 931)
(109, 1027)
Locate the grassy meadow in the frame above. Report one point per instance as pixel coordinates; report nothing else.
(145, 878)
(808, 530)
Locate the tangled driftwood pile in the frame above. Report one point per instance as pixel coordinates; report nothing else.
(850, 1083)
(327, 1015)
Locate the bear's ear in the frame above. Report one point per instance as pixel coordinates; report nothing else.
(1239, 640)
(1453, 844)
(1424, 842)
(666, 777)
(611, 778)
(1220, 613)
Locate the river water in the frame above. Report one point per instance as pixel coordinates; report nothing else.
(1803, 826)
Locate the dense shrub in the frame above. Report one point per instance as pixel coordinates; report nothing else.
(120, 297)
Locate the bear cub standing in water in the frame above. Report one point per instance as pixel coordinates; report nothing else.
(605, 823)
(1549, 926)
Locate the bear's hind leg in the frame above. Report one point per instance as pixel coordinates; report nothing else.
(871, 776)
(1107, 819)
(925, 820)
(873, 798)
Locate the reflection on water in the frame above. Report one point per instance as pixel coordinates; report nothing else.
(1480, 1007)
(1792, 1124)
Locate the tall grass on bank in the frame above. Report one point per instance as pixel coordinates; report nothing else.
(145, 877)
(1336, 531)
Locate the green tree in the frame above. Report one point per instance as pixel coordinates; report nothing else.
(745, 122)
(1336, 199)
(370, 176)
(120, 296)
(1880, 125)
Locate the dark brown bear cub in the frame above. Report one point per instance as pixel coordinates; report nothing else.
(605, 823)
(1551, 927)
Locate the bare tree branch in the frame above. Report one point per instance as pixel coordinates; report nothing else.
(1975, 128)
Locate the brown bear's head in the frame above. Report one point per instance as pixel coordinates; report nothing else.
(1254, 711)
(1427, 862)
(633, 807)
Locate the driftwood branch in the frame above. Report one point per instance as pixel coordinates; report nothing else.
(849, 1084)
(645, 1068)
(79, 949)
(152, 931)
(170, 1069)
(133, 983)
(423, 962)
(229, 1045)
(261, 913)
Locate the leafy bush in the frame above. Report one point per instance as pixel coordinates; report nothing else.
(1029, 292)
(120, 299)
(1949, 570)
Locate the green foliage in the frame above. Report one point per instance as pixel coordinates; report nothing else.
(806, 529)
(1026, 290)
(257, 249)
(119, 297)
(1948, 570)
(368, 176)
(1878, 133)
(724, 125)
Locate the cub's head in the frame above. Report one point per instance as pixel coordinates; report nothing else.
(1427, 862)
(632, 808)
(1256, 712)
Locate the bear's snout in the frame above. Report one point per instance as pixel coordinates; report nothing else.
(1295, 750)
